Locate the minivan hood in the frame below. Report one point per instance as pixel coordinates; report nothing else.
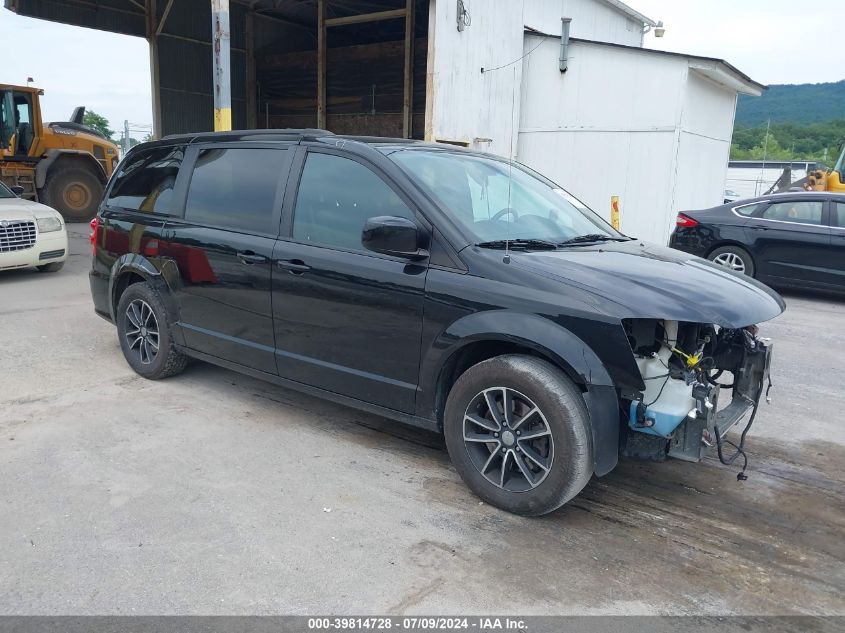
(650, 281)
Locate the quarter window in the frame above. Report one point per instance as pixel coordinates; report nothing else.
(336, 197)
(748, 209)
(839, 214)
(236, 188)
(146, 180)
(800, 211)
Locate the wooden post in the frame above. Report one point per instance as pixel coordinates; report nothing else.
(152, 37)
(251, 105)
(321, 64)
(408, 103)
(614, 212)
(220, 49)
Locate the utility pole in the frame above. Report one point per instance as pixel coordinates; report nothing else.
(765, 155)
(125, 136)
(222, 62)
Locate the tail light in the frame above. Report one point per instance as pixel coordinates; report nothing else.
(686, 222)
(95, 234)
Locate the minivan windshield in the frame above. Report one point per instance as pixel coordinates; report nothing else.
(497, 201)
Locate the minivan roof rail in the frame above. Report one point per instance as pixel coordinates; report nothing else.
(285, 132)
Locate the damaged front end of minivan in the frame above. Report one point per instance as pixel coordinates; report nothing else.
(688, 369)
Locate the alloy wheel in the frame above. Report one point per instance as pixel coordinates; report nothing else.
(730, 260)
(142, 334)
(508, 439)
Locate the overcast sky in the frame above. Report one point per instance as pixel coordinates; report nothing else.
(773, 41)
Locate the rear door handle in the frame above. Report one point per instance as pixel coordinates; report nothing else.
(293, 266)
(759, 227)
(249, 258)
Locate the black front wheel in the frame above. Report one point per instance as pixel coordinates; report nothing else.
(144, 330)
(518, 433)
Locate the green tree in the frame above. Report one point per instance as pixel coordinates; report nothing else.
(98, 122)
(789, 141)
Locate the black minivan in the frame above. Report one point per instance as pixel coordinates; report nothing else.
(439, 287)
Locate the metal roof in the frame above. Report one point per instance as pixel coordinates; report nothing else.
(624, 8)
(735, 72)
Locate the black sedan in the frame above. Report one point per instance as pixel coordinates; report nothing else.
(789, 239)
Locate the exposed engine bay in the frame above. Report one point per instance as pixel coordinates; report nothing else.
(685, 366)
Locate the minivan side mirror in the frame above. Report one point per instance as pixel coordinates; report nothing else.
(18, 191)
(391, 235)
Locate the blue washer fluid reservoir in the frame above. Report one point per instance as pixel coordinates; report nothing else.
(669, 400)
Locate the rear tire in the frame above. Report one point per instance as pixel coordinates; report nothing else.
(534, 453)
(734, 258)
(53, 267)
(73, 190)
(145, 333)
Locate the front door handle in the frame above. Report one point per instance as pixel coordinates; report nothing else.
(293, 266)
(249, 258)
(759, 227)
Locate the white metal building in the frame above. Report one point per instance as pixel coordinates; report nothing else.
(651, 127)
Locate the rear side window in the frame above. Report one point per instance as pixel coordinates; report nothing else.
(839, 214)
(146, 181)
(236, 188)
(800, 211)
(336, 197)
(749, 209)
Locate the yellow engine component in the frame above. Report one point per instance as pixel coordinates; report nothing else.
(691, 359)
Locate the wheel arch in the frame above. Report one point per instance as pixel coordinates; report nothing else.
(56, 157)
(480, 336)
(734, 243)
(133, 268)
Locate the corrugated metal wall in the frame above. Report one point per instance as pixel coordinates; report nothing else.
(117, 16)
(186, 67)
(185, 56)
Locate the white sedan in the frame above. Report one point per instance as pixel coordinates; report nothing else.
(31, 234)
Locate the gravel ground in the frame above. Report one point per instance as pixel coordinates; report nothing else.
(214, 493)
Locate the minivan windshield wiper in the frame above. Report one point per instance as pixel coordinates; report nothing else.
(519, 244)
(591, 238)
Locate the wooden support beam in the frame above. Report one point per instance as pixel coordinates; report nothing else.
(321, 64)
(367, 17)
(164, 17)
(155, 80)
(408, 101)
(251, 89)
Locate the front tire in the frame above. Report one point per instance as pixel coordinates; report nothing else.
(518, 433)
(145, 333)
(73, 190)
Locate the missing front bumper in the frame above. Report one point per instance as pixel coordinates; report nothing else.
(696, 436)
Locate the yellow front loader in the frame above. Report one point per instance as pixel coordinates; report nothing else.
(64, 165)
(833, 180)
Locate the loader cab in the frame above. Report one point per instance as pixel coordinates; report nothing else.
(7, 122)
(25, 133)
(18, 121)
(836, 180)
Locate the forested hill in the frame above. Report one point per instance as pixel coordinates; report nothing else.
(800, 104)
